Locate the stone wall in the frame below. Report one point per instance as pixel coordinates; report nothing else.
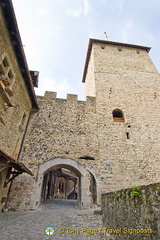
(90, 78)
(133, 213)
(125, 78)
(125, 153)
(12, 116)
(15, 108)
(62, 129)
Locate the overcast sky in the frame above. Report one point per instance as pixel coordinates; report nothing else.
(56, 35)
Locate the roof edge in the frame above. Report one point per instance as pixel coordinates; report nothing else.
(11, 22)
(15, 163)
(92, 40)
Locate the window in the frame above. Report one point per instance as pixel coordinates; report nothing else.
(22, 125)
(119, 49)
(6, 76)
(118, 115)
(127, 135)
(23, 119)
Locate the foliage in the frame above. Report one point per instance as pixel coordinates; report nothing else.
(136, 190)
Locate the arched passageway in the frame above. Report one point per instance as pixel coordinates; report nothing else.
(59, 178)
(60, 183)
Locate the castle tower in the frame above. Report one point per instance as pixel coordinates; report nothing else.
(106, 143)
(126, 85)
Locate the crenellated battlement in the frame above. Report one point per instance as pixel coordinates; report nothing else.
(50, 95)
(71, 100)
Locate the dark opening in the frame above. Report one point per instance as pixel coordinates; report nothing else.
(5, 62)
(118, 116)
(93, 189)
(127, 134)
(87, 157)
(60, 183)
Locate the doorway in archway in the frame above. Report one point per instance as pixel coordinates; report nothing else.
(93, 188)
(73, 169)
(60, 183)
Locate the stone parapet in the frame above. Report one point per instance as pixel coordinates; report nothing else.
(133, 213)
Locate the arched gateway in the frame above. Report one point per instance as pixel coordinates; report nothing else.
(65, 169)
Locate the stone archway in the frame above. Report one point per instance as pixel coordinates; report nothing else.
(61, 182)
(85, 200)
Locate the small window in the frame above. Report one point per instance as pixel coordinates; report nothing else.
(118, 115)
(102, 46)
(1, 70)
(10, 74)
(23, 119)
(5, 62)
(22, 125)
(6, 77)
(127, 135)
(119, 49)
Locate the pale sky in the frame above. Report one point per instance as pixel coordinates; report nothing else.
(56, 35)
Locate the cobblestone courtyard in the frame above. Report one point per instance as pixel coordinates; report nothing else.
(63, 215)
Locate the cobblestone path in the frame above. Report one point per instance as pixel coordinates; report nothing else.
(63, 215)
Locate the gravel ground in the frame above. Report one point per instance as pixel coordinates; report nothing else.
(69, 223)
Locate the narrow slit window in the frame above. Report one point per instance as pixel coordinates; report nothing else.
(22, 125)
(127, 135)
(23, 119)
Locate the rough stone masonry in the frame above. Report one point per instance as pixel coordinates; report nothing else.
(111, 140)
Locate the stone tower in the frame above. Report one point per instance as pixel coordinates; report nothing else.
(106, 143)
(126, 86)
